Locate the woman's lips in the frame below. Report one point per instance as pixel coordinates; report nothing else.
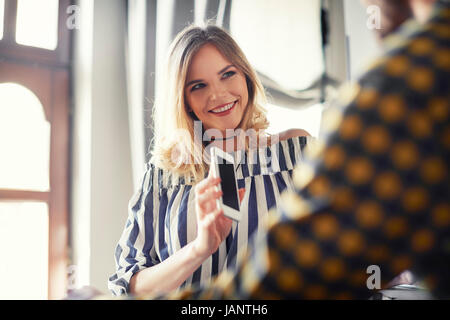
(227, 110)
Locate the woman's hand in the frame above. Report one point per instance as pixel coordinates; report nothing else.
(212, 226)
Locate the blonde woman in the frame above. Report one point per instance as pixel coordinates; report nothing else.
(175, 235)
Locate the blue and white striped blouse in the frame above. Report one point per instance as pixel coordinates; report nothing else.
(162, 216)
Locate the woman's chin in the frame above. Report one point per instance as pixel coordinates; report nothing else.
(224, 126)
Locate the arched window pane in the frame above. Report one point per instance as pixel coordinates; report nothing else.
(24, 249)
(37, 23)
(2, 10)
(24, 140)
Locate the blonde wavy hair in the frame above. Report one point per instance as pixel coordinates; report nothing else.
(174, 148)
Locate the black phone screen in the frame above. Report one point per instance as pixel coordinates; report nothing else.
(228, 183)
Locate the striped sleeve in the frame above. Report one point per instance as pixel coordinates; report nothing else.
(135, 250)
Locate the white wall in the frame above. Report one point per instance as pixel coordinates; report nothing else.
(362, 45)
(101, 163)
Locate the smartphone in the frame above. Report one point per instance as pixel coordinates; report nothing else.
(222, 166)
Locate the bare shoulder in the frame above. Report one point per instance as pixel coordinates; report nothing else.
(292, 133)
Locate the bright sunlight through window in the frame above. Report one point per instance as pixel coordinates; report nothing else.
(281, 39)
(24, 248)
(24, 140)
(37, 23)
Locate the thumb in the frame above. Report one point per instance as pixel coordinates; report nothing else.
(241, 194)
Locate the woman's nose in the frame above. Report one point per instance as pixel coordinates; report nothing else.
(217, 91)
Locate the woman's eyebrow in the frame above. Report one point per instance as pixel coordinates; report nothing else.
(225, 69)
(200, 80)
(193, 82)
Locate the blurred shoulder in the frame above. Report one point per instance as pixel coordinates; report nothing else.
(292, 133)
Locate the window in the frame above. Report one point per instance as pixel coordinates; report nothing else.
(34, 137)
(24, 248)
(24, 165)
(283, 42)
(24, 140)
(37, 23)
(34, 146)
(35, 31)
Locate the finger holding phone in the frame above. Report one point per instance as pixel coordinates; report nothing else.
(213, 219)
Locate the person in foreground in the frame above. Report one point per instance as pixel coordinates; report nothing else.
(376, 194)
(176, 235)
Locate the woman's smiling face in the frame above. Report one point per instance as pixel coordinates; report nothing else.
(216, 90)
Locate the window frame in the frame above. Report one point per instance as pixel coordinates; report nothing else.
(12, 50)
(47, 74)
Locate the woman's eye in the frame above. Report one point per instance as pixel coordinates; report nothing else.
(197, 86)
(228, 74)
